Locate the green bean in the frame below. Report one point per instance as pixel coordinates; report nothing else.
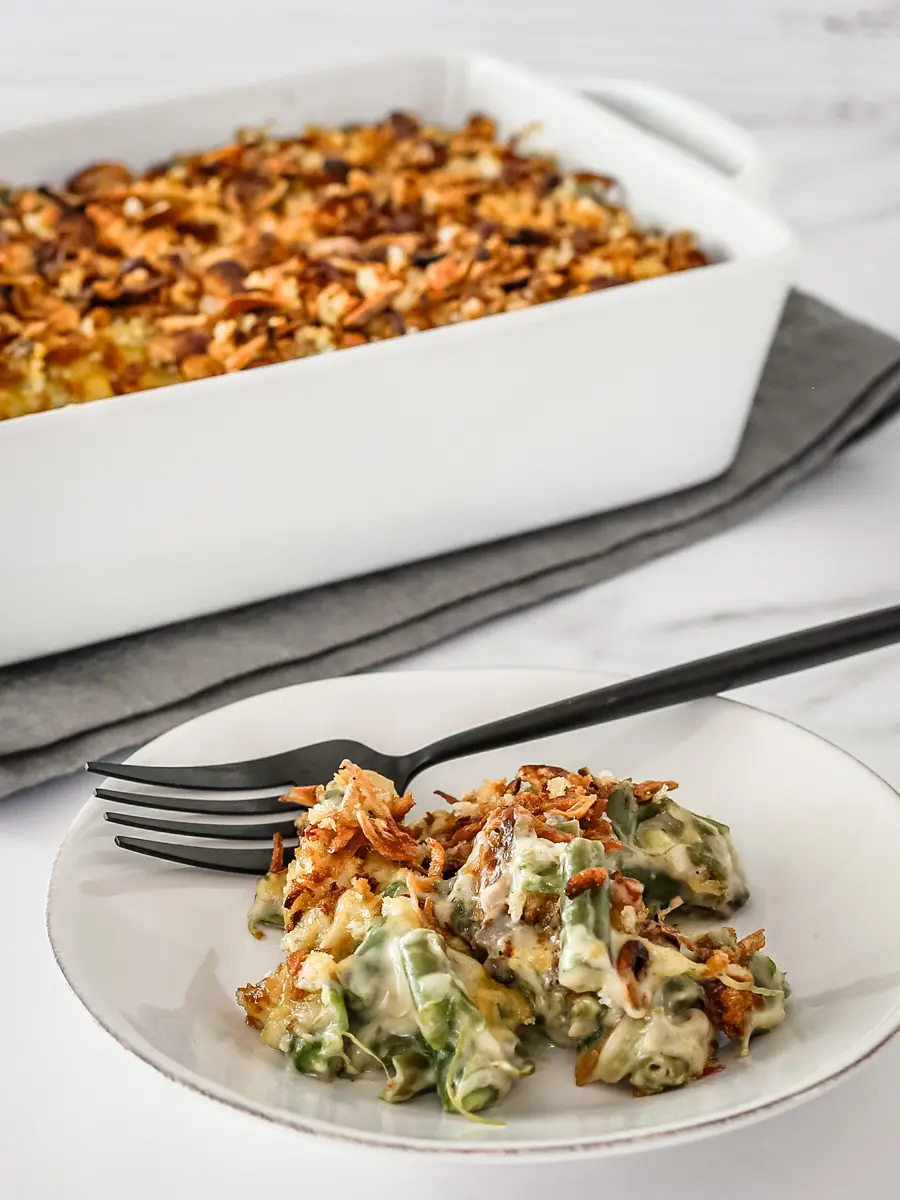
(565, 1017)
(540, 878)
(432, 988)
(408, 1062)
(586, 1016)
(462, 918)
(412, 1072)
(660, 888)
(319, 1049)
(600, 1060)
(535, 866)
(362, 973)
(475, 1062)
(768, 976)
(656, 1072)
(334, 793)
(621, 809)
(397, 888)
(267, 907)
(704, 857)
(614, 1055)
(569, 826)
(656, 839)
(586, 933)
(653, 1052)
(677, 994)
(591, 907)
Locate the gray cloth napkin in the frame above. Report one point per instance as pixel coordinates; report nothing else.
(828, 380)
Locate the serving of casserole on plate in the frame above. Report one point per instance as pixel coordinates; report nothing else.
(428, 951)
(395, 211)
(423, 950)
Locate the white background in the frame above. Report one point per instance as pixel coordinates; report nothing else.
(818, 79)
(759, 60)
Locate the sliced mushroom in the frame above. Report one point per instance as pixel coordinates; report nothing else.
(631, 965)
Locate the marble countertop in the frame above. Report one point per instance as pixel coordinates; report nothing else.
(81, 1117)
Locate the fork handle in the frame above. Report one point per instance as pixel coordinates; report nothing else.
(675, 685)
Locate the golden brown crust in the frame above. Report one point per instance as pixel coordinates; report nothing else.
(466, 832)
(541, 911)
(496, 839)
(437, 859)
(258, 999)
(718, 957)
(644, 792)
(336, 847)
(316, 872)
(549, 832)
(271, 249)
(539, 790)
(377, 820)
(388, 838)
(583, 881)
(727, 1007)
(307, 796)
(752, 943)
(596, 826)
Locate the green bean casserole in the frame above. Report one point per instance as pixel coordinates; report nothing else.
(272, 249)
(427, 951)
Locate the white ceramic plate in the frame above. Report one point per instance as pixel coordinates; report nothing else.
(155, 951)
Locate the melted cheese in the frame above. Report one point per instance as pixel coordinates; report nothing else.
(308, 933)
(375, 976)
(585, 965)
(354, 916)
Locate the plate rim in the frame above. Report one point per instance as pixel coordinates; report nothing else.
(552, 1151)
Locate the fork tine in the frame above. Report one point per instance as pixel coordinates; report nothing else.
(243, 860)
(205, 829)
(244, 807)
(274, 771)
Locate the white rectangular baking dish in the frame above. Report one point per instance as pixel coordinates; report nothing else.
(128, 513)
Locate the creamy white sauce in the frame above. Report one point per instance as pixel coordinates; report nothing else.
(532, 858)
(687, 1037)
(379, 979)
(584, 964)
(495, 897)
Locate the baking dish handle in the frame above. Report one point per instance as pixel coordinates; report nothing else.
(718, 142)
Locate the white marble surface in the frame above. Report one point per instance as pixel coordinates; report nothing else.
(765, 61)
(79, 1117)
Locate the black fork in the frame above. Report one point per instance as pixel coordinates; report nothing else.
(315, 764)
